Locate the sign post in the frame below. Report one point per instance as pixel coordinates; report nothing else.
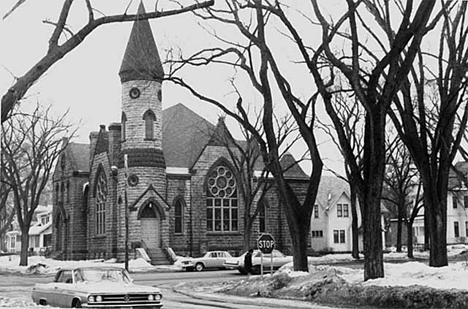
(266, 244)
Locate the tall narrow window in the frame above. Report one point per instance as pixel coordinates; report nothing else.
(456, 229)
(178, 217)
(124, 126)
(222, 214)
(261, 217)
(465, 199)
(149, 118)
(339, 210)
(316, 211)
(101, 197)
(454, 201)
(345, 210)
(466, 228)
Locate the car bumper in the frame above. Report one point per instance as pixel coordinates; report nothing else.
(130, 306)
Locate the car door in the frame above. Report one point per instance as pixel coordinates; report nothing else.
(211, 260)
(65, 289)
(219, 260)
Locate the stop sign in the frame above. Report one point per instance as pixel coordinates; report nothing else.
(266, 243)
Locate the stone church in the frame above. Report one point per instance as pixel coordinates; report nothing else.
(158, 179)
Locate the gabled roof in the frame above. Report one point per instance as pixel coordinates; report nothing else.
(78, 156)
(141, 60)
(331, 188)
(185, 134)
(291, 168)
(454, 178)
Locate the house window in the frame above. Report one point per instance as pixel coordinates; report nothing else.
(456, 229)
(339, 210)
(178, 217)
(466, 228)
(317, 234)
(261, 217)
(68, 191)
(465, 199)
(13, 242)
(124, 126)
(454, 201)
(101, 196)
(345, 210)
(221, 201)
(339, 236)
(316, 211)
(149, 118)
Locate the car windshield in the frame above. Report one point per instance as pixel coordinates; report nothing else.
(101, 275)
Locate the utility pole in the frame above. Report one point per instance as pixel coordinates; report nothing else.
(126, 210)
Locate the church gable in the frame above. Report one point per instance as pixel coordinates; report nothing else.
(150, 194)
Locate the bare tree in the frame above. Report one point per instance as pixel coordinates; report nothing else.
(7, 211)
(63, 41)
(351, 115)
(256, 60)
(425, 116)
(30, 146)
(400, 182)
(374, 76)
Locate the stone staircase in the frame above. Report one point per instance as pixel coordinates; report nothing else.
(158, 256)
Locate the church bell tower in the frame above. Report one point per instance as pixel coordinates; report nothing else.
(142, 174)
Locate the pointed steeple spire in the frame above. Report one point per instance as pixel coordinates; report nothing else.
(221, 135)
(141, 59)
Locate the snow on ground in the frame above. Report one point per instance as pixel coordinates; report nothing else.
(40, 264)
(396, 274)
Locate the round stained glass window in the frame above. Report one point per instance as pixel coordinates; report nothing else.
(222, 182)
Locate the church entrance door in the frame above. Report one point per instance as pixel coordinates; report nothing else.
(150, 227)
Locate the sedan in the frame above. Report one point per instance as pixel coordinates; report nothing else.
(211, 260)
(95, 287)
(279, 259)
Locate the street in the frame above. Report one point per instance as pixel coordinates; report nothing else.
(18, 287)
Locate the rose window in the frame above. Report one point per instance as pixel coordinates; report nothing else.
(221, 182)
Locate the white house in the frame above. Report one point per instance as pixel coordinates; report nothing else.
(457, 212)
(40, 232)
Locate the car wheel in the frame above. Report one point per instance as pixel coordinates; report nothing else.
(199, 267)
(256, 269)
(76, 303)
(43, 302)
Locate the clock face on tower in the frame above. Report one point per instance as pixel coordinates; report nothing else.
(134, 93)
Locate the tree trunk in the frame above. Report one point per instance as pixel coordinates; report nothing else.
(354, 223)
(247, 234)
(427, 244)
(24, 247)
(399, 228)
(299, 241)
(409, 235)
(437, 224)
(373, 172)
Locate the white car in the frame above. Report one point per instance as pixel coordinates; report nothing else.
(211, 260)
(96, 287)
(279, 259)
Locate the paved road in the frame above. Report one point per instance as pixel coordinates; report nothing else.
(18, 287)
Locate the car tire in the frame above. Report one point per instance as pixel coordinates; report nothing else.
(256, 269)
(76, 303)
(199, 267)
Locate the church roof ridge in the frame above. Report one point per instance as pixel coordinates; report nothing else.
(141, 59)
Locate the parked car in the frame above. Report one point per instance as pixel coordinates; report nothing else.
(279, 259)
(211, 260)
(95, 287)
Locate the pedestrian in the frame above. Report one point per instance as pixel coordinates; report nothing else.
(248, 262)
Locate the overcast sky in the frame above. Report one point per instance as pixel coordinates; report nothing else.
(86, 81)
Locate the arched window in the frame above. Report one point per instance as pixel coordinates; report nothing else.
(101, 197)
(261, 217)
(179, 217)
(124, 125)
(222, 214)
(149, 118)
